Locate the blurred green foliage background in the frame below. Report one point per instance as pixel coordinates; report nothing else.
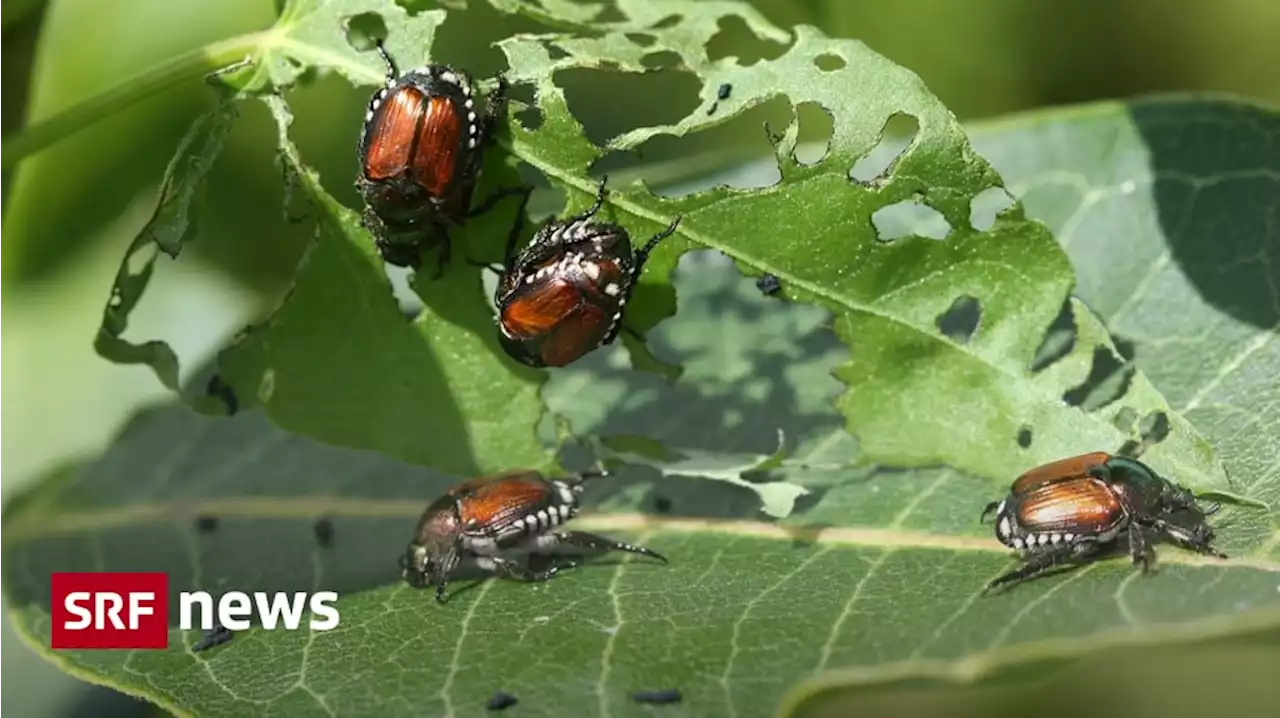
(70, 211)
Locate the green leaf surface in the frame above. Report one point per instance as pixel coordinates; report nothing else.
(895, 432)
(1167, 208)
(876, 571)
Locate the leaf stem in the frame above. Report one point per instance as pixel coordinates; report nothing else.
(144, 84)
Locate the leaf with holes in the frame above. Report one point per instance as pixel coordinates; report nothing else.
(967, 389)
(1167, 209)
(966, 396)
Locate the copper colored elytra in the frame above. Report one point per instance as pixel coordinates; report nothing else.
(1060, 470)
(421, 150)
(485, 519)
(564, 295)
(417, 133)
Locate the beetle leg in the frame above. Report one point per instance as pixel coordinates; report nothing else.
(1139, 552)
(513, 235)
(1040, 562)
(447, 564)
(392, 72)
(495, 105)
(498, 195)
(1035, 564)
(511, 569)
(594, 208)
(582, 539)
(643, 254)
(1196, 540)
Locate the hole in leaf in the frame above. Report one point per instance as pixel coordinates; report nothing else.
(961, 320)
(414, 7)
(1059, 339)
(661, 60)
(735, 39)
(898, 133)
(1108, 380)
(364, 30)
(1154, 428)
(610, 104)
(829, 62)
(555, 52)
(908, 218)
(1024, 437)
(816, 127)
(1130, 448)
(1125, 420)
(734, 153)
(469, 35)
(986, 206)
(662, 504)
(667, 22)
(643, 39)
(529, 115)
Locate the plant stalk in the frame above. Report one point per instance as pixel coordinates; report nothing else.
(171, 72)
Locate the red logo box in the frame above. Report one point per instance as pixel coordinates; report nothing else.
(110, 610)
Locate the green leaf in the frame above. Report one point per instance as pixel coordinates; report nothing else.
(1165, 208)
(167, 230)
(971, 398)
(744, 610)
(339, 361)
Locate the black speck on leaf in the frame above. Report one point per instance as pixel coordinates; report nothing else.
(768, 284)
(215, 637)
(323, 529)
(723, 92)
(501, 701)
(206, 523)
(667, 696)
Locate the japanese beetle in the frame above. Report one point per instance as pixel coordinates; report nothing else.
(420, 152)
(564, 295)
(481, 518)
(1074, 508)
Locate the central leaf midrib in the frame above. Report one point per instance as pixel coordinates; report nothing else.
(39, 525)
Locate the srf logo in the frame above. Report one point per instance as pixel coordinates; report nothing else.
(110, 610)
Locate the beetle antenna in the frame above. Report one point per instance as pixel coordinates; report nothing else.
(392, 72)
(987, 511)
(643, 254)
